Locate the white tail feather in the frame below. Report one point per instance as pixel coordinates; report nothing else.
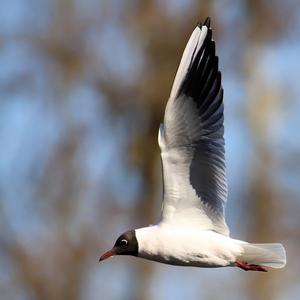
(270, 255)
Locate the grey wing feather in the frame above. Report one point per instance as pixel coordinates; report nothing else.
(192, 139)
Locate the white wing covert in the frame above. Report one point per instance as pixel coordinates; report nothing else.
(191, 140)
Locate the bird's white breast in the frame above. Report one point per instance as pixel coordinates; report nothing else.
(186, 246)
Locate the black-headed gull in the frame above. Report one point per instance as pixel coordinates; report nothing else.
(193, 231)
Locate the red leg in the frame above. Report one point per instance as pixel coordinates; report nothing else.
(249, 267)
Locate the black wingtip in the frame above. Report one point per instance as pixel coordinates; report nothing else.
(207, 22)
(199, 25)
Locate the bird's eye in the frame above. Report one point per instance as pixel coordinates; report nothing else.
(124, 242)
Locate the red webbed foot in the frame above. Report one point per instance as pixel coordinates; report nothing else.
(249, 267)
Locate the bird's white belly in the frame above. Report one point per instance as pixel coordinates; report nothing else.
(186, 247)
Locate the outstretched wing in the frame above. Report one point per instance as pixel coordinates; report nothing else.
(191, 140)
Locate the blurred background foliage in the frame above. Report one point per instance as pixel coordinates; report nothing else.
(83, 86)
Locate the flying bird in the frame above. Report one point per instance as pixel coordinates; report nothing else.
(193, 231)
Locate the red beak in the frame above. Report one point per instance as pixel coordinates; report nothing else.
(108, 254)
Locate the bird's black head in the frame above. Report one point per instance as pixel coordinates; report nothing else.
(126, 244)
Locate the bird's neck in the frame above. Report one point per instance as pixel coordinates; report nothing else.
(149, 241)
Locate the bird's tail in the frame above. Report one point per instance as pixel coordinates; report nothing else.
(269, 255)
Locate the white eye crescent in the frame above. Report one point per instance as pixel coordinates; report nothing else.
(124, 242)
